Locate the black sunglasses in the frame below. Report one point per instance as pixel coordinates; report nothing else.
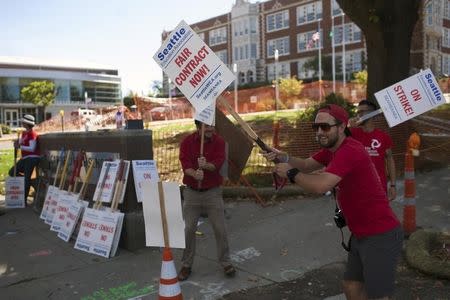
(324, 126)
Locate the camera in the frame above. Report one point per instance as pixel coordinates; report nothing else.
(339, 219)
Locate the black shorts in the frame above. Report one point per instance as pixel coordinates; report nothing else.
(373, 261)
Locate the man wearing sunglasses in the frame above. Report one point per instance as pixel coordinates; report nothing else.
(378, 144)
(376, 240)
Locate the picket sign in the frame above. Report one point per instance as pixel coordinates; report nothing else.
(64, 202)
(15, 192)
(51, 188)
(75, 209)
(97, 232)
(143, 171)
(105, 186)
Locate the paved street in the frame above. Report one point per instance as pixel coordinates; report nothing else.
(268, 245)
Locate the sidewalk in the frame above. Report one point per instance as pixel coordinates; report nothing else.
(293, 240)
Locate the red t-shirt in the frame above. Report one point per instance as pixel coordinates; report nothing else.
(376, 143)
(27, 136)
(213, 151)
(359, 193)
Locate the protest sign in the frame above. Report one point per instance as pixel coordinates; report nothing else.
(105, 185)
(151, 207)
(97, 232)
(48, 196)
(64, 202)
(15, 192)
(410, 97)
(52, 205)
(75, 210)
(194, 68)
(143, 170)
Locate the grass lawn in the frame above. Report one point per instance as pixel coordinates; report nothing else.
(6, 161)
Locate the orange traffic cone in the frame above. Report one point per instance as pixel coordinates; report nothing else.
(409, 207)
(169, 287)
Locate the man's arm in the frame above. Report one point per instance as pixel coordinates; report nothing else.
(307, 165)
(318, 183)
(390, 163)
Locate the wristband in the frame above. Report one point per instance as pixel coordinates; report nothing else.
(291, 173)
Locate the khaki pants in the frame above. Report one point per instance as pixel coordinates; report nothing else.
(211, 203)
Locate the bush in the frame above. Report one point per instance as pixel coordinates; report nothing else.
(5, 129)
(310, 113)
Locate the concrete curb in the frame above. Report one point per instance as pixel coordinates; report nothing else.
(418, 254)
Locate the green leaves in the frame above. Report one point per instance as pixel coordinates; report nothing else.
(40, 93)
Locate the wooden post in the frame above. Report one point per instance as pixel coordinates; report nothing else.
(162, 205)
(83, 188)
(98, 202)
(64, 171)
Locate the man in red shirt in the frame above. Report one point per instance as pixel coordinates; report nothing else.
(376, 240)
(378, 144)
(203, 194)
(28, 144)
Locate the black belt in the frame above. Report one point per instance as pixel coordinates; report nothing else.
(199, 190)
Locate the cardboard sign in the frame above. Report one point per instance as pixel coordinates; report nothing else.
(194, 68)
(74, 212)
(410, 97)
(53, 204)
(152, 215)
(143, 171)
(64, 202)
(97, 232)
(48, 196)
(106, 191)
(15, 192)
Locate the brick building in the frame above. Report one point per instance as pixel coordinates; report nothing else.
(249, 34)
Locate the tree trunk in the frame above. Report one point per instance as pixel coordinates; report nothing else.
(387, 27)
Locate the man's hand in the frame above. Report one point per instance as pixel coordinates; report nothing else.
(392, 193)
(202, 162)
(353, 122)
(275, 154)
(281, 169)
(198, 175)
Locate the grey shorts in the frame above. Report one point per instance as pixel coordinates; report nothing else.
(373, 261)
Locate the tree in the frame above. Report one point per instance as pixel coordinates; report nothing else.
(157, 88)
(388, 27)
(40, 93)
(290, 86)
(360, 77)
(312, 64)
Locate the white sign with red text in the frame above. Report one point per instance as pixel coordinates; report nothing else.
(50, 191)
(74, 212)
(410, 97)
(97, 231)
(53, 204)
(194, 68)
(144, 170)
(107, 189)
(64, 202)
(14, 188)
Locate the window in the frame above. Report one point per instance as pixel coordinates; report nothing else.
(302, 71)
(10, 89)
(218, 36)
(353, 62)
(201, 35)
(352, 34)
(446, 38)
(447, 9)
(278, 21)
(309, 12)
(429, 14)
(446, 64)
(284, 70)
(281, 44)
(253, 24)
(253, 51)
(308, 41)
(62, 88)
(336, 9)
(223, 56)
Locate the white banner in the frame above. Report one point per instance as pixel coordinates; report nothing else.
(410, 97)
(15, 191)
(53, 204)
(154, 236)
(194, 68)
(143, 170)
(64, 202)
(48, 196)
(97, 231)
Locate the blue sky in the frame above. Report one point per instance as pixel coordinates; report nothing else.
(122, 34)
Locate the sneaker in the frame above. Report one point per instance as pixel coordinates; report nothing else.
(229, 271)
(184, 273)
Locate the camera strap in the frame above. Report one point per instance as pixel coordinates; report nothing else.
(347, 246)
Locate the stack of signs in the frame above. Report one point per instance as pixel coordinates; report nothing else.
(64, 202)
(410, 97)
(194, 68)
(51, 190)
(153, 218)
(143, 171)
(14, 188)
(101, 227)
(53, 205)
(98, 232)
